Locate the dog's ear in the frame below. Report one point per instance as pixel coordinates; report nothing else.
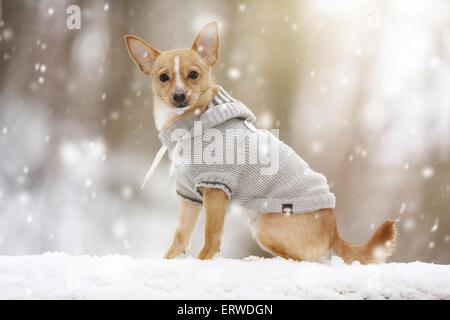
(207, 43)
(141, 53)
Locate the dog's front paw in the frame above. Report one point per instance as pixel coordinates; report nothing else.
(207, 253)
(173, 253)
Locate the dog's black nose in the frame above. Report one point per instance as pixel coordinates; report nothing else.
(179, 97)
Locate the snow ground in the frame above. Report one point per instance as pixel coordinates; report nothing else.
(62, 276)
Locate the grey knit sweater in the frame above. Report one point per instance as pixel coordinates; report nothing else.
(221, 148)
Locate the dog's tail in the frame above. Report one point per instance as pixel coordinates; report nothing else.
(376, 250)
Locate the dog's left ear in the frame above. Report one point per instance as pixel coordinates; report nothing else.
(207, 43)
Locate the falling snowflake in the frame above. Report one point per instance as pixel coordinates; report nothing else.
(402, 208)
(88, 183)
(427, 172)
(7, 34)
(234, 73)
(115, 115)
(126, 192)
(106, 7)
(316, 147)
(265, 120)
(69, 153)
(409, 224)
(435, 225)
(242, 7)
(119, 229)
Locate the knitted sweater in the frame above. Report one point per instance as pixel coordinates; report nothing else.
(221, 148)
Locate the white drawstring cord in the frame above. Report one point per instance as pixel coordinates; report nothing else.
(154, 165)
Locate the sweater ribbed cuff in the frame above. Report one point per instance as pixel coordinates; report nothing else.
(215, 180)
(187, 195)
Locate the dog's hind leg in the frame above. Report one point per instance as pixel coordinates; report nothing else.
(300, 236)
(189, 213)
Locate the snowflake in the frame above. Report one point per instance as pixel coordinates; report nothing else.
(119, 229)
(126, 192)
(7, 34)
(265, 120)
(88, 183)
(435, 225)
(316, 147)
(234, 73)
(115, 115)
(427, 172)
(409, 224)
(402, 208)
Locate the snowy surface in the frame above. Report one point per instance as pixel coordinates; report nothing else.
(62, 276)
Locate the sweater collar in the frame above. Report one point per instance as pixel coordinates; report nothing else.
(222, 108)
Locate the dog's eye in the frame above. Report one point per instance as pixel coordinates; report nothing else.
(164, 77)
(193, 75)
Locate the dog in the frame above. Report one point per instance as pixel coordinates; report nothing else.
(184, 89)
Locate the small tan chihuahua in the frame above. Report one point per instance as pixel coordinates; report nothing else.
(183, 87)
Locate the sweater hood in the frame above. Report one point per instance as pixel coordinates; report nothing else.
(222, 108)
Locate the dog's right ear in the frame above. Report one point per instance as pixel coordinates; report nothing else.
(141, 53)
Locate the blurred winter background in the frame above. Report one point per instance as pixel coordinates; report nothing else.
(361, 89)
